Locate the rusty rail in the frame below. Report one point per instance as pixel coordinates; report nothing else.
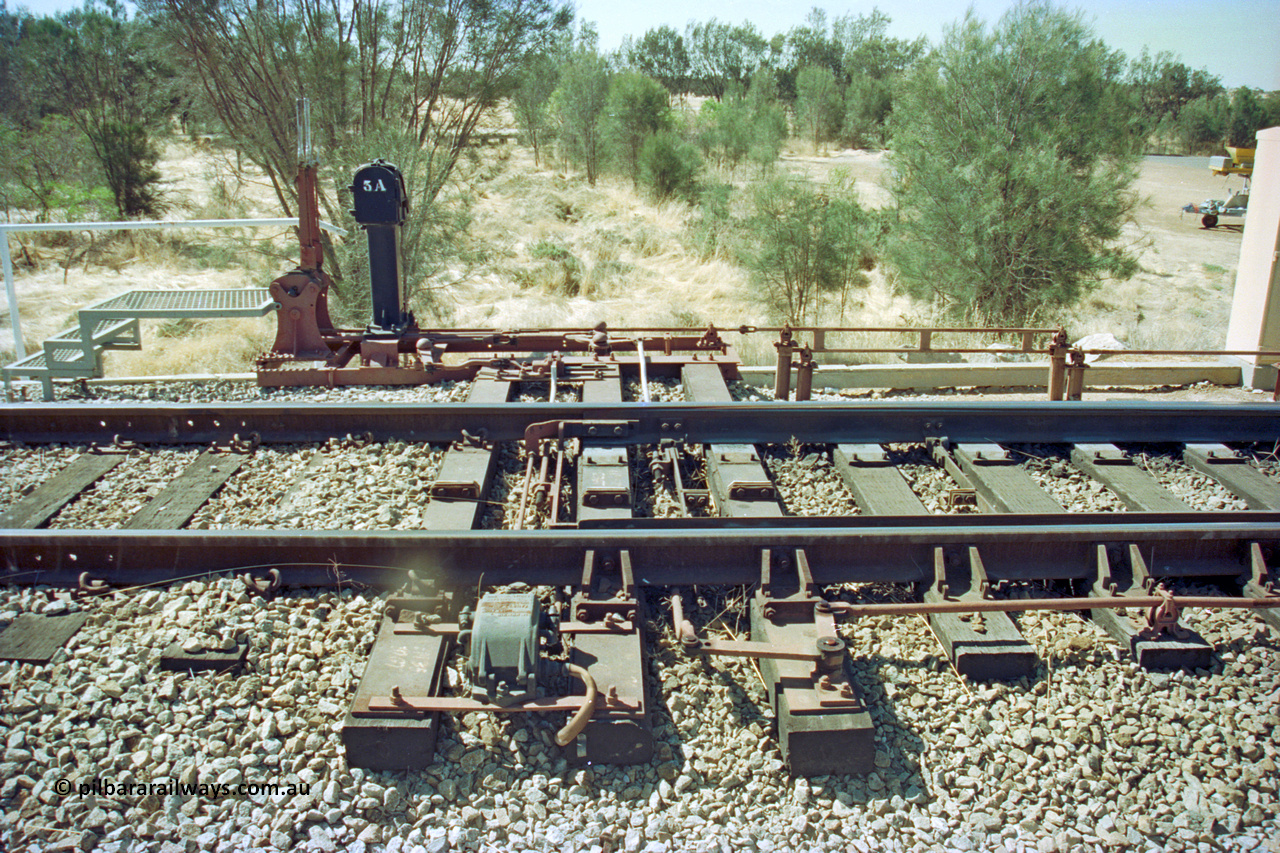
(1019, 605)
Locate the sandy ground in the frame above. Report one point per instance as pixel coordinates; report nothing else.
(637, 264)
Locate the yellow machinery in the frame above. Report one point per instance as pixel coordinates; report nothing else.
(1240, 162)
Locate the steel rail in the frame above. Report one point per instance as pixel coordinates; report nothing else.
(820, 422)
(1020, 605)
(866, 549)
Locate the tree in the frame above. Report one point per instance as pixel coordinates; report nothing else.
(768, 121)
(804, 243)
(669, 166)
(720, 54)
(661, 54)
(431, 67)
(1164, 86)
(93, 65)
(1248, 116)
(1202, 124)
(867, 104)
(529, 101)
(1271, 103)
(723, 129)
(580, 100)
(1012, 170)
(819, 107)
(637, 107)
(11, 26)
(812, 46)
(741, 127)
(49, 167)
(869, 51)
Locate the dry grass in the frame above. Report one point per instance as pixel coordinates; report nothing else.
(546, 249)
(565, 253)
(222, 346)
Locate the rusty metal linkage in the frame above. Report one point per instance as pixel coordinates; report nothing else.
(1163, 608)
(827, 652)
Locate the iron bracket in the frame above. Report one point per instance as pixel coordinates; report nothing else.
(265, 587)
(960, 574)
(589, 605)
(1261, 580)
(798, 605)
(1116, 576)
(560, 430)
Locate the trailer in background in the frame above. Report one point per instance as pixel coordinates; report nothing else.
(1239, 162)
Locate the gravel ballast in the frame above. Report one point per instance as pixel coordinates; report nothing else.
(1092, 753)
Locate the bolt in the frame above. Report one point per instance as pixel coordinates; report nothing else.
(830, 645)
(679, 425)
(591, 430)
(617, 430)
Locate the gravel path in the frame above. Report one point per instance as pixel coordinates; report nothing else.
(807, 483)
(660, 391)
(341, 485)
(931, 483)
(1198, 491)
(116, 496)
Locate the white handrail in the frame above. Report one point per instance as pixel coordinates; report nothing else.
(19, 348)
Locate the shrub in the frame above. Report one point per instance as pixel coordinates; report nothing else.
(804, 243)
(1012, 168)
(637, 107)
(129, 159)
(669, 166)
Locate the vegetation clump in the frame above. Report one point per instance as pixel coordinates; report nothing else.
(804, 243)
(1012, 169)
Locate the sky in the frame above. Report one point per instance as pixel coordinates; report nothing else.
(1238, 40)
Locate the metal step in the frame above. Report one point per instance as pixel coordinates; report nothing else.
(113, 324)
(70, 348)
(37, 365)
(110, 334)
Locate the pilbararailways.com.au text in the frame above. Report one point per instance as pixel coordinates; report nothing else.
(204, 790)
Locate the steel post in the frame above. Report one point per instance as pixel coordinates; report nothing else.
(11, 295)
(1057, 371)
(782, 381)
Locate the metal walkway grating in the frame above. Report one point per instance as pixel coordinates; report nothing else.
(113, 324)
(251, 302)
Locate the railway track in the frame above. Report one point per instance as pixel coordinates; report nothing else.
(613, 512)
